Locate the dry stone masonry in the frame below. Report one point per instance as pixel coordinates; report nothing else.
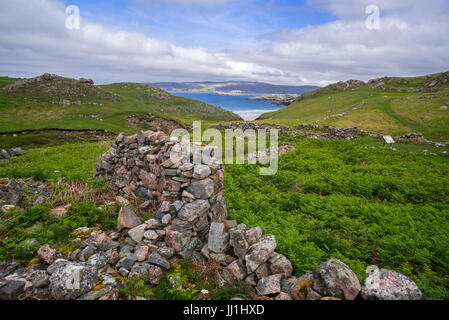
(328, 132)
(315, 131)
(191, 224)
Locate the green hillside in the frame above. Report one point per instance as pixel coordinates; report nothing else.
(50, 101)
(385, 105)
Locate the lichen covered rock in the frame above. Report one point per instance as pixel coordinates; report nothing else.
(385, 284)
(71, 280)
(334, 278)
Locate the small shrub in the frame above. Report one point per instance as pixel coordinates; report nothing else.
(135, 287)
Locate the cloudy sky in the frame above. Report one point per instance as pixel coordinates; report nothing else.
(276, 41)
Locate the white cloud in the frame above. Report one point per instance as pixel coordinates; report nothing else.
(44, 44)
(412, 40)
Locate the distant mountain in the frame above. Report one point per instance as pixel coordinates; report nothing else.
(232, 87)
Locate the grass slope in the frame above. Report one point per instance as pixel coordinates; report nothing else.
(387, 105)
(39, 104)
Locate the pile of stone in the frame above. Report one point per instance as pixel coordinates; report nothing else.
(14, 152)
(441, 79)
(246, 125)
(420, 139)
(12, 191)
(412, 136)
(146, 250)
(141, 166)
(329, 131)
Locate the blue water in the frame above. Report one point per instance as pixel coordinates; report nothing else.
(247, 109)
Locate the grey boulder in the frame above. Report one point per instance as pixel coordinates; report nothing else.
(334, 278)
(384, 284)
(72, 280)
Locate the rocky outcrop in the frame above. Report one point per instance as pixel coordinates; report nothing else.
(14, 152)
(418, 138)
(345, 85)
(439, 80)
(88, 81)
(11, 192)
(42, 78)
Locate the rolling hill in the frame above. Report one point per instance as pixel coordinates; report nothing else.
(50, 101)
(385, 105)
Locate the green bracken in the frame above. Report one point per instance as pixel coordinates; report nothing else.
(360, 205)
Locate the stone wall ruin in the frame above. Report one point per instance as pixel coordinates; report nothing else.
(191, 222)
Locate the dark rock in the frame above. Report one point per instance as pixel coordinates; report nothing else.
(11, 289)
(189, 249)
(87, 81)
(158, 215)
(312, 295)
(157, 259)
(127, 261)
(143, 193)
